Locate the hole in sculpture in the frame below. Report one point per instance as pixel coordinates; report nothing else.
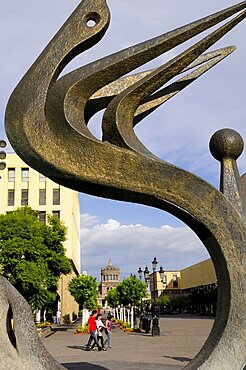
(10, 327)
(185, 297)
(92, 19)
(91, 23)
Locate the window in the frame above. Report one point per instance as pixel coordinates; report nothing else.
(56, 196)
(56, 214)
(25, 174)
(110, 277)
(42, 197)
(42, 178)
(24, 197)
(42, 216)
(11, 197)
(175, 281)
(11, 174)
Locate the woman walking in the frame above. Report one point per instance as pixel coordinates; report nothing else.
(108, 330)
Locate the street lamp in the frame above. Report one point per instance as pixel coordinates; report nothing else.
(161, 272)
(140, 273)
(146, 275)
(155, 320)
(154, 264)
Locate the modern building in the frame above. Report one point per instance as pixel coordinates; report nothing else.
(20, 185)
(200, 274)
(110, 278)
(174, 283)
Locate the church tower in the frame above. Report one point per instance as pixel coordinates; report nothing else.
(110, 278)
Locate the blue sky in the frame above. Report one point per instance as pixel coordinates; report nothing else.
(178, 132)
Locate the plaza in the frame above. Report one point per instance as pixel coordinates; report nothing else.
(180, 340)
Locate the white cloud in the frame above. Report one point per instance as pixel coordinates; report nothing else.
(131, 246)
(87, 220)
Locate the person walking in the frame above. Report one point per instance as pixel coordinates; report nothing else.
(54, 318)
(92, 327)
(58, 316)
(108, 330)
(100, 328)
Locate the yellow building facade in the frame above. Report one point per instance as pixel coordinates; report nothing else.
(177, 282)
(171, 283)
(20, 185)
(200, 274)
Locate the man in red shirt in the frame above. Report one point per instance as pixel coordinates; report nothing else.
(92, 327)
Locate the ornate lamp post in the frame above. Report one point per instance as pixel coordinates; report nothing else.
(140, 273)
(146, 275)
(155, 321)
(161, 272)
(154, 264)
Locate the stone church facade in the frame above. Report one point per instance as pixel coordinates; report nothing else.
(110, 278)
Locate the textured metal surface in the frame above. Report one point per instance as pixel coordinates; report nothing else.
(46, 122)
(20, 349)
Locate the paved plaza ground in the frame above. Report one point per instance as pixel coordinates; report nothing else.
(181, 338)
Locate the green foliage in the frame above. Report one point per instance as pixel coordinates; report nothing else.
(84, 290)
(113, 297)
(131, 290)
(162, 300)
(43, 324)
(32, 255)
(180, 302)
(82, 329)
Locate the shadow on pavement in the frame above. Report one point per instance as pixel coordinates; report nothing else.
(120, 366)
(83, 366)
(62, 327)
(182, 359)
(82, 348)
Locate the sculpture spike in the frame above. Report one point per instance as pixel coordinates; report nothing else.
(102, 97)
(226, 146)
(118, 117)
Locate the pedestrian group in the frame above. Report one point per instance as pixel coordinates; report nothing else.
(96, 329)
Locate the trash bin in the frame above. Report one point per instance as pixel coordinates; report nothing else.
(146, 324)
(141, 316)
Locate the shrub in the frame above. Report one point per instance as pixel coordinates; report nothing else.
(82, 329)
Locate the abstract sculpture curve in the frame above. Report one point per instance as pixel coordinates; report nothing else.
(46, 122)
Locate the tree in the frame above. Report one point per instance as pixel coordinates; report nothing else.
(32, 255)
(131, 291)
(162, 300)
(113, 298)
(180, 303)
(84, 290)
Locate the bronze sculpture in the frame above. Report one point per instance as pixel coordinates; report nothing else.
(46, 122)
